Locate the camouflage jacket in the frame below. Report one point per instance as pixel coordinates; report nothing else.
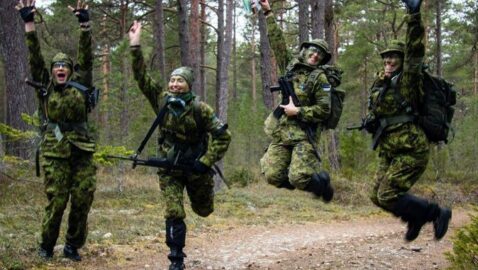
(64, 107)
(183, 132)
(314, 100)
(390, 99)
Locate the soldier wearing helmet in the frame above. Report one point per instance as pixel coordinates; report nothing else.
(184, 138)
(291, 160)
(403, 147)
(67, 145)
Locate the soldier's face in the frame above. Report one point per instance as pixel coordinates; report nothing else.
(61, 71)
(391, 62)
(313, 55)
(178, 84)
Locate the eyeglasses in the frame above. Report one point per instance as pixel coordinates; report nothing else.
(313, 49)
(60, 65)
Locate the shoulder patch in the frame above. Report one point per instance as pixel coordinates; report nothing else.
(326, 87)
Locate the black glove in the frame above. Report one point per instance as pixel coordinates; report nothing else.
(82, 15)
(370, 124)
(200, 167)
(413, 6)
(27, 14)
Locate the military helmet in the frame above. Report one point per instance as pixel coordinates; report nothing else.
(394, 46)
(322, 45)
(185, 72)
(62, 57)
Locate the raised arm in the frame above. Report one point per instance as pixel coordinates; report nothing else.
(276, 38)
(38, 69)
(414, 53)
(85, 52)
(151, 89)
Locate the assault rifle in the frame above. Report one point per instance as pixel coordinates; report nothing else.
(154, 162)
(287, 90)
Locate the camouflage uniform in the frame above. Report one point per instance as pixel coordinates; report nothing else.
(182, 138)
(403, 146)
(67, 147)
(290, 158)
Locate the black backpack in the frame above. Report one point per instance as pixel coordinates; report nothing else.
(435, 112)
(334, 76)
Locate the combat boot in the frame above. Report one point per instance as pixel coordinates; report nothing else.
(319, 184)
(286, 185)
(45, 253)
(416, 212)
(177, 259)
(440, 223)
(71, 253)
(176, 240)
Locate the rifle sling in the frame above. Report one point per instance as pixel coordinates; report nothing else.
(155, 124)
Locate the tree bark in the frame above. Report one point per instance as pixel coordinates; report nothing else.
(303, 20)
(317, 16)
(253, 65)
(475, 65)
(183, 33)
(159, 59)
(202, 53)
(19, 98)
(268, 64)
(438, 52)
(195, 44)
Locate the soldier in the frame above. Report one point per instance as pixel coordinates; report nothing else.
(291, 160)
(67, 147)
(184, 133)
(403, 145)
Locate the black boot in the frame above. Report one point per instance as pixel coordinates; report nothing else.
(71, 253)
(45, 253)
(286, 185)
(177, 259)
(176, 240)
(320, 185)
(440, 223)
(416, 212)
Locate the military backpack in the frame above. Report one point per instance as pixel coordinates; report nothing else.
(334, 76)
(435, 112)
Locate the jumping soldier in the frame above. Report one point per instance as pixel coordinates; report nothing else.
(184, 132)
(67, 146)
(291, 160)
(402, 144)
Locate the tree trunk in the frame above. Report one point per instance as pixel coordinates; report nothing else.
(268, 64)
(183, 33)
(159, 59)
(303, 20)
(475, 65)
(234, 58)
(317, 18)
(19, 98)
(195, 43)
(334, 157)
(438, 56)
(202, 54)
(253, 65)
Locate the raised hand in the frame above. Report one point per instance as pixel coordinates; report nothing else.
(413, 6)
(81, 11)
(134, 34)
(27, 10)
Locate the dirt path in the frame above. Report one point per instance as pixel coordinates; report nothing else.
(372, 243)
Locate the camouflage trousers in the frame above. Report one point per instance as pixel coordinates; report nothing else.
(289, 162)
(200, 189)
(403, 156)
(73, 179)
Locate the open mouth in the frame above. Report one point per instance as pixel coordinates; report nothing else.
(61, 76)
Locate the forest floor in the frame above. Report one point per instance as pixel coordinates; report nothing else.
(363, 243)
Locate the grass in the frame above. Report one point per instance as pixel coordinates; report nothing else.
(137, 213)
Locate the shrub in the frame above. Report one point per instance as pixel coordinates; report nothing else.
(465, 246)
